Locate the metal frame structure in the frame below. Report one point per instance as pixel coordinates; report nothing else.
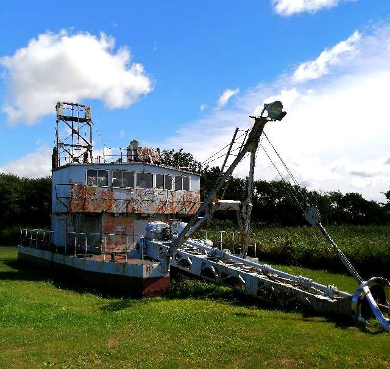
(73, 134)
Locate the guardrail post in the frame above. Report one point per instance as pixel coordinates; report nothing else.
(254, 235)
(221, 238)
(126, 247)
(55, 243)
(86, 245)
(105, 248)
(233, 242)
(75, 243)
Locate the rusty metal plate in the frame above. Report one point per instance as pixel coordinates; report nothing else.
(143, 201)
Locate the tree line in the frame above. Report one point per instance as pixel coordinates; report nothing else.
(281, 203)
(24, 201)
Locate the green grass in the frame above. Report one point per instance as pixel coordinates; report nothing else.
(45, 323)
(367, 247)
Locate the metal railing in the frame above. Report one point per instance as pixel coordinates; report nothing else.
(229, 240)
(82, 244)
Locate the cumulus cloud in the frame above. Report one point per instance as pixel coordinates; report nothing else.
(319, 67)
(332, 138)
(202, 107)
(70, 67)
(33, 165)
(225, 97)
(291, 7)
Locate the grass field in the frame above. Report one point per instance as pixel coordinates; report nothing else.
(46, 323)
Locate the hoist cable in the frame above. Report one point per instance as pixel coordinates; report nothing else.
(208, 160)
(305, 197)
(282, 161)
(283, 180)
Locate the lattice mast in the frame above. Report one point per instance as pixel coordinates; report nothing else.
(73, 134)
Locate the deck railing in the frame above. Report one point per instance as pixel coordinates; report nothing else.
(81, 244)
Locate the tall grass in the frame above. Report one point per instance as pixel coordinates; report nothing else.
(367, 247)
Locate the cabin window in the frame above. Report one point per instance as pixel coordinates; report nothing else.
(186, 183)
(117, 178)
(102, 178)
(122, 178)
(128, 179)
(167, 182)
(91, 177)
(97, 177)
(160, 181)
(182, 183)
(178, 183)
(164, 181)
(145, 180)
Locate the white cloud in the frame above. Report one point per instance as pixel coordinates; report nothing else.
(290, 7)
(70, 67)
(33, 165)
(336, 133)
(226, 95)
(320, 67)
(202, 107)
(121, 133)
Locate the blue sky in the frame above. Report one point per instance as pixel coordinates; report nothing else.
(201, 69)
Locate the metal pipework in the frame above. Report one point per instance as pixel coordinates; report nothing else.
(266, 269)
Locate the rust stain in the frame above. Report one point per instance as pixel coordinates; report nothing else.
(147, 201)
(148, 155)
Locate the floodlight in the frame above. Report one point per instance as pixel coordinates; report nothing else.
(275, 110)
(134, 144)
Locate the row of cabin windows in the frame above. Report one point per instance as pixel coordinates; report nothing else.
(125, 179)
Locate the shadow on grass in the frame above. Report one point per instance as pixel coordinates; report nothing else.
(19, 273)
(27, 272)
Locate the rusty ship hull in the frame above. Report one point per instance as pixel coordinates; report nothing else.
(135, 277)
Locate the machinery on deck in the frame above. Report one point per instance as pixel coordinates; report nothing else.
(98, 207)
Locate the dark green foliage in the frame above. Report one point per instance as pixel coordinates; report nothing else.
(234, 189)
(10, 199)
(24, 201)
(180, 159)
(10, 236)
(280, 203)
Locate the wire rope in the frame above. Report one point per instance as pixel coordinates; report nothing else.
(283, 180)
